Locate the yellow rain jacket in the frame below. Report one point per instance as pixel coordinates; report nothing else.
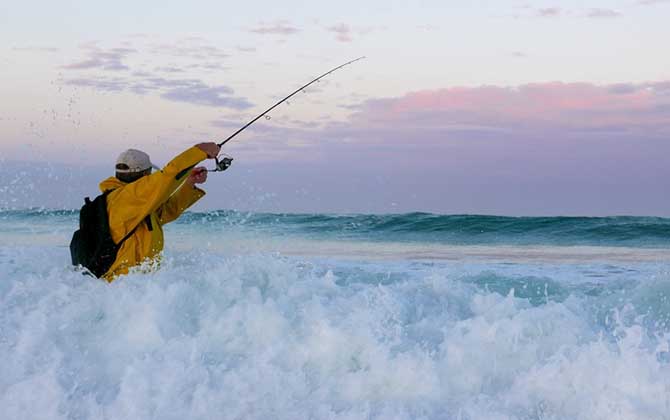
(148, 204)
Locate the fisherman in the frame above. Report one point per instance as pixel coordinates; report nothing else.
(121, 228)
(138, 204)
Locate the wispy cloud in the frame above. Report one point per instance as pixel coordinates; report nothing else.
(603, 13)
(428, 28)
(281, 27)
(200, 94)
(102, 84)
(558, 12)
(189, 48)
(186, 56)
(197, 51)
(169, 69)
(191, 91)
(246, 49)
(342, 31)
(212, 66)
(549, 12)
(105, 59)
(345, 32)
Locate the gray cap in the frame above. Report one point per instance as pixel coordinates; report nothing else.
(134, 161)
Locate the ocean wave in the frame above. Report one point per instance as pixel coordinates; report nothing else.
(420, 227)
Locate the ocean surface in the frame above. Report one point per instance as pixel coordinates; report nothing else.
(284, 316)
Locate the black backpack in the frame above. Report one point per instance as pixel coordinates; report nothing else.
(92, 245)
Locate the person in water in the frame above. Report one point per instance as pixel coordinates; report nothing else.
(141, 202)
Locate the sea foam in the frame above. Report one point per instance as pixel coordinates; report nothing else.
(219, 335)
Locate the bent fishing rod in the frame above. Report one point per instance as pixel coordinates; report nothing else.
(225, 162)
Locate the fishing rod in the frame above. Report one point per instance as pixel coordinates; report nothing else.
(225, 162)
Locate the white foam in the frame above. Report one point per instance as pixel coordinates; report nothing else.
(263, 336)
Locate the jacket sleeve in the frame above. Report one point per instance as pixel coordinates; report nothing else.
(184, 198)
(135, 201)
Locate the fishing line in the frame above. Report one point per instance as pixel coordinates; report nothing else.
(224, 162)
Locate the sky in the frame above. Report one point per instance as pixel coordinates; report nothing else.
(506, 107)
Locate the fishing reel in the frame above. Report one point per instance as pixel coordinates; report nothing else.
(223, 162)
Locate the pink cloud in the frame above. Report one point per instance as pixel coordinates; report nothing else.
(343, 32)
(568, 105)
(551, 114)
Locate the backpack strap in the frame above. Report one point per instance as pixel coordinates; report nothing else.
(118, 246)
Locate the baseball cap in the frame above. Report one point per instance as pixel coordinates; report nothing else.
(132, 161)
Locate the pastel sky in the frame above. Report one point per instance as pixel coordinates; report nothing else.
(505, 107)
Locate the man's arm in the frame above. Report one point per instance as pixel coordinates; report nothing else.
(140, 198)
(184, 198)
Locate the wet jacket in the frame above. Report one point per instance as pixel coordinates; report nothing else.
(148, 204)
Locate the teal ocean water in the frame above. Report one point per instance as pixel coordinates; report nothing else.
(416, 227)
(460, 229)
(411, 316)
